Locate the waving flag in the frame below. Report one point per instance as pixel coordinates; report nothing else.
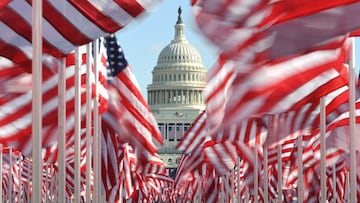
(15, 108)
(259, 32)
(129, 114)
(66, 24)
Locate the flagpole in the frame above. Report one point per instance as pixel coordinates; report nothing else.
(256, 177)
(62, 134)
(77, 126)
(10, 176)
(266, 167)
(36, 99)
(300, 169)
(347, 186)
(279, 161)
(266, 177)
(352, 124)
(238, 194)
(88, 122)
(322, 150)
(97, 138)
(21, 186)
(334, 181)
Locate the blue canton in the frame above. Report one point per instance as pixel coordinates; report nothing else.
(115, 56)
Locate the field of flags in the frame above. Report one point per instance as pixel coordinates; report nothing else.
(280, 123)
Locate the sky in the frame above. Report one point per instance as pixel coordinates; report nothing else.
(143, 39)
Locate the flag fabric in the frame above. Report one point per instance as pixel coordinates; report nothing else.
(128, 112)
(130, 133)
(288, 86)
(259, 31)
(16, 120)
(195, 135)
(66, 24)
(217, 91)
(336, 186)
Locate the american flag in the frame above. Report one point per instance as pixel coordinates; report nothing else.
(15, 109)
(66, 24)
(127, 106)
(128, 122)
(116, 59)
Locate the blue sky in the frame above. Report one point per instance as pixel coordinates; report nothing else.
(143, 40)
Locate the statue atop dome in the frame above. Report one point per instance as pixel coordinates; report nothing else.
(179, 21)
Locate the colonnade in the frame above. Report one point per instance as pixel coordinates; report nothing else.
(175, 97)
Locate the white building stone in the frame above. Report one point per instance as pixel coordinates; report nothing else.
(176, 92)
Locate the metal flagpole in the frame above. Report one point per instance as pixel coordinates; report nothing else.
(77, 125)
(300, 169)
(279, 165)
(62, 133)
(10, 186)
(88, 122)
(266, 167)
(335, 194)
(352, 124)
(347, 187)
(322, 150)
(97, 138)
(36, 99)
(256, 178)
(266, 177)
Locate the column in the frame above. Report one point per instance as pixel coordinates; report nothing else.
(172, 96)
(166, 96)
(191, 97)
(154, 96)
(182, 96)
(163, 96)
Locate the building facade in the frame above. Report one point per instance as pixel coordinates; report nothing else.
(176, 93)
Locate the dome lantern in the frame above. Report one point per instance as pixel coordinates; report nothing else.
(179, 29)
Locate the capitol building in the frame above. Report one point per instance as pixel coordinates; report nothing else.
(176, 95)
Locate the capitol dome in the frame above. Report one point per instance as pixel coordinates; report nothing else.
(179, 51)
(178, 79)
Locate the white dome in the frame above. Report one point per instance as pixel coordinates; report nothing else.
(179, 52)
